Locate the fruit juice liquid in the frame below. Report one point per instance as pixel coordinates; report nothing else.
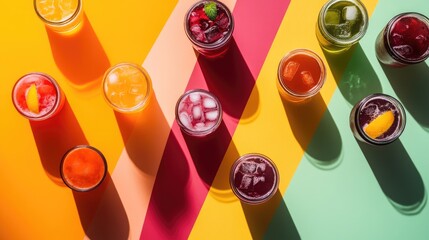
(210, 33)
(378, 119)
(83, 168)
(341, 24)
(198, 113)
(127, 87)
(60, 15)
(404, 40)
(301, 75)
(37, 96)
(254, 178)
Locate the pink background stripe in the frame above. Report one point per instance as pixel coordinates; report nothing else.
(189, 165)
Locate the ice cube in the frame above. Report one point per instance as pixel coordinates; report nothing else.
(200, 126)
(209, 103)
(342, 30)
(332, 17)
(195, 97)
(185, 119)
(248, 167)
(261, 167)
(397, 39)
(307, 78)
(198, 33)
(197, 112)
(290, 70)
(212, 115)
(350, 13)
(256, 180)
(213, 34)
(246, 181)
(210, 124)
(113, 78)
(223, 21)
(403, 50)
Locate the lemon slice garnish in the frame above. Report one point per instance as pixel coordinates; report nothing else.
(32, 99)
(379, 125)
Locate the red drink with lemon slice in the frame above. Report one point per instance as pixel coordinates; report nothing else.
(37, 96)
(378, 119)
(83, 168)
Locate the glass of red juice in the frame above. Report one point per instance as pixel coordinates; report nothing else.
(377, 119)
(83, 168)
(198, 113)
(404, 40)
(37, 96)
(254, 178)
(301, 75)
(209, 26)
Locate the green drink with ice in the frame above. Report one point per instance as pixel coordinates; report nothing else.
(341, 24)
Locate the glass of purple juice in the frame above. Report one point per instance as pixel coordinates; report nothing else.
(254, 178)
(404, 40)
(198, 112)
(209, 26)
(377, 119)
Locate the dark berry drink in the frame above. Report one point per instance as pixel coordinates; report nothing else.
(198, 112)
(209, 26)
(254, 178)
(378, 119)
(404, 40)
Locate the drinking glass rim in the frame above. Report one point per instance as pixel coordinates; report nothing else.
(62, 22)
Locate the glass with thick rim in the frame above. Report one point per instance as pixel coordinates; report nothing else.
(83, 168)
(309, 61)
(69, 23)
(198, 112)
(127, 87)
(332, 43)
(50, 97)
(254, 178)
(385, 51)
(218, 47)
(371, 109)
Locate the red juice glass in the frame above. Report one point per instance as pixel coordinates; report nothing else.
(377, 119)
(301, 75)
(404, 40)
(83, 168)
(254, 178)
(209, 26)
(37, 96)
(198, 112)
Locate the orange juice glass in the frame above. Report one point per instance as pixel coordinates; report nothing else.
(83, 168)
(62, 16)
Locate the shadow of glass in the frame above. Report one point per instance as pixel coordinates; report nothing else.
(325, 149)
(338, 62)
(231, 80)
(397, 176)
(144, 135)
(80, 57)
(359, 78)
(304, 120)
(54, 137)
(411, 85)
(207, 153)
(101, 212)
(273, 211)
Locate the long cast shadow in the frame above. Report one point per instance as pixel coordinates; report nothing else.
(101, 212)
(54, 137)
(304, 119)
(80, 57)
(273, 211)
(231, 80)
(397, 176)
(144, 135)
(411, 85)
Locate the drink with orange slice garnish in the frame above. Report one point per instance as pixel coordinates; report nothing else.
(83, 168)
(378, 119)
(60, 15)
(37, 96)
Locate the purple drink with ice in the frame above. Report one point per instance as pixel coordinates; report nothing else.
(254, 178)
(198, 112)
(209, 26)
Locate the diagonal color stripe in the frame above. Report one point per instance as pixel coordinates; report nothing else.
(188, 167)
